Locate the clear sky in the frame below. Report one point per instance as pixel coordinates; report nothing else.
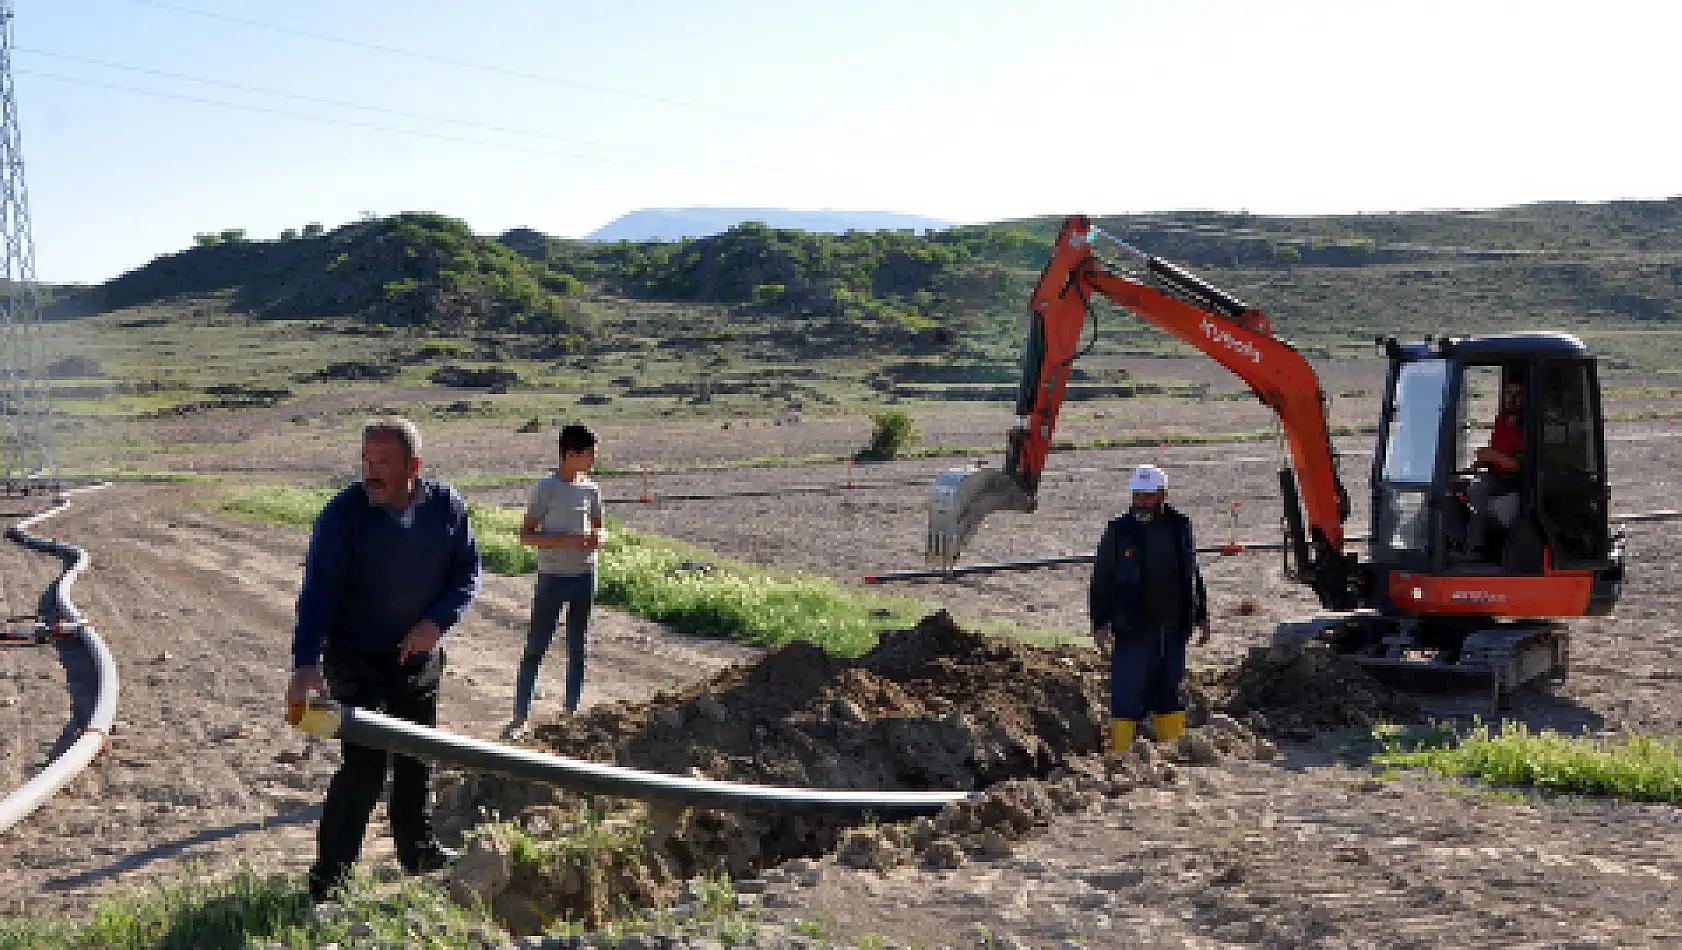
(147, 121)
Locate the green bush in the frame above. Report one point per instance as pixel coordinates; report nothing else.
(893, 431)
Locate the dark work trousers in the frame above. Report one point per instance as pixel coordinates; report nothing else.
(577, 593)
(408, 691)
(1146, 666)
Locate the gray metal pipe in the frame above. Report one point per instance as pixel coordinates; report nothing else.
(330, 720)
(57, 609)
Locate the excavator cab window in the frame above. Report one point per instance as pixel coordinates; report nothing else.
(1488, 496)
(1485, 500)
(1570, 475)
(1556, 499)
(1480, 402)
(1413, 433)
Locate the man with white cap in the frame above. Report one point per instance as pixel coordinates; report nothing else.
(1146, 596)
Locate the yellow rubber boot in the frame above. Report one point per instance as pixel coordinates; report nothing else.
(1169, 726)
(1121, 734)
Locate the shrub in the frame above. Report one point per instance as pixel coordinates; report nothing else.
(893, 431)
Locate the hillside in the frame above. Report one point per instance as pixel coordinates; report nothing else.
(674, 224)
(47, 293)
(408, 270)
(771, 293)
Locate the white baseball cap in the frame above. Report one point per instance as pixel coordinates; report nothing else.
(1147, 478)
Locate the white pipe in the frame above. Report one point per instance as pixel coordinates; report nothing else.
(330, 720)
(56, 602)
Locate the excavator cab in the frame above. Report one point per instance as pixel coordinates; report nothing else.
(1448, 500)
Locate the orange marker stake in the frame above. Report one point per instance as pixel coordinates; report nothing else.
(1232, 546)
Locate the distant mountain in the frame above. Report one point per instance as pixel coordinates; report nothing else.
(671, 224)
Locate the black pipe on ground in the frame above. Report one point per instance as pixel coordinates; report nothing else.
(1242, 547)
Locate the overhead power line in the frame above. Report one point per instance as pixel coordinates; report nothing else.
(337, 103)
(328, 120)
(616, 161)
(459, 63)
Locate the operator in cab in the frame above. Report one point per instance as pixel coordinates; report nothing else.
(1494, 492)
(1146, 596)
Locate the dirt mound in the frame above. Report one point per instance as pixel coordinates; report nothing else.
(934, 707)
(1294, 691)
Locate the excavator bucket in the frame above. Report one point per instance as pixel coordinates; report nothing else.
(962, 498)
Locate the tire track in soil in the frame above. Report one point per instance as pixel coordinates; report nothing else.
(197, 610)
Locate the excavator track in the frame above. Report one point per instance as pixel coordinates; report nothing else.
(1478, 676)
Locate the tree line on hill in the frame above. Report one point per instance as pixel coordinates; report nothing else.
(431, 271)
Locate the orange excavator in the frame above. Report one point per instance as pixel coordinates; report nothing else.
(1426, 606)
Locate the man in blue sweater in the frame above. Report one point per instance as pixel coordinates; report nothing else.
(392, 566)
(1146, 596)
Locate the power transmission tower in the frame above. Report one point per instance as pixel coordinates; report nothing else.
(24, 401)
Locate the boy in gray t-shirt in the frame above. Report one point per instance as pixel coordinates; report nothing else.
(564, 523)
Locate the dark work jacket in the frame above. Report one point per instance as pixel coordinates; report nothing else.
(368, 578)
(1117, 594)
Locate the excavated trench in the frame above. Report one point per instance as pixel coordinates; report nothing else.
(934, 707)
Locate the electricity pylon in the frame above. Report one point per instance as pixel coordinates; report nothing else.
(24, 401)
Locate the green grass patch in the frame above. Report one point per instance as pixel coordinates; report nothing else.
(669, 581)
(248, 909)
(1635, 767)
(148, 475)
(1177, 437)
(496, 529)
(295, 507)
(676, 583)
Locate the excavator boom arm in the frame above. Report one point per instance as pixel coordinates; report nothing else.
(1279, 376)
(1228, 331)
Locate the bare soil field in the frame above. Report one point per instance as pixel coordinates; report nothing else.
(197, 609)
(1621, 664)
(202, 769)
